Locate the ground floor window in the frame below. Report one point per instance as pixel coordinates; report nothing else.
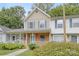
(74, 38)
(13, 38)
(58, 38)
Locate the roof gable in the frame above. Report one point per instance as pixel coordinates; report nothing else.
(4, 29)
(34, 11)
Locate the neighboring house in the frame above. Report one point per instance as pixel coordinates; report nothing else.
(9, 35)
(40, 28)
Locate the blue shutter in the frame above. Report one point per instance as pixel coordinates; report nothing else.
(55, 23)
(70, 22)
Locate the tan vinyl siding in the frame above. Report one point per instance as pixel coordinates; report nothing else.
(38, 16)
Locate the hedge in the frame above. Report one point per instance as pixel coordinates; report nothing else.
(58, 49)
(11, 46)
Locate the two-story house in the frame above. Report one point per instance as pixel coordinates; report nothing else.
(40, 28)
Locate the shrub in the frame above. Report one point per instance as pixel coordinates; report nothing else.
(11, 46)
(33, 46)
(20, 46)
(1, 45)
(58, 49)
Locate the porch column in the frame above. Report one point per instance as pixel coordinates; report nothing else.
(37, 38)
(20, 38)
(47, 37)
(25, 40)
(50, 38)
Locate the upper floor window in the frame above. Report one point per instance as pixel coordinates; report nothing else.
(58, 23)
(42, 24)
(30, 24)
(74, 23)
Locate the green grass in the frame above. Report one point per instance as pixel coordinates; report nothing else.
(54, 49)
(4, 52)
(27, 53)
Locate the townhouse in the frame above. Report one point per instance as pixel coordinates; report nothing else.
(40, 28)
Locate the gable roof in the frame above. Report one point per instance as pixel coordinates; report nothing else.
(61, 17)
(4, 29)
(16, 30)
(39, 10)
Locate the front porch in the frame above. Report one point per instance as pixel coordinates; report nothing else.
(37, 38)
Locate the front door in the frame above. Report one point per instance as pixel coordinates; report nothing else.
(42, 39)
(73, 38)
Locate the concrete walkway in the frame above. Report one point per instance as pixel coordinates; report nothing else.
(16, 52)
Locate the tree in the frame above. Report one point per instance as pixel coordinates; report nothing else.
(70, 9)
(44, 6)
(11, 17)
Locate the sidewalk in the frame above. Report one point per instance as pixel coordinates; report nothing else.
(16, 52)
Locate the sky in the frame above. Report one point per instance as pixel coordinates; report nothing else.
(27, 6)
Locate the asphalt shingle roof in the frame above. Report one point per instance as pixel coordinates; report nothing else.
(4, 29)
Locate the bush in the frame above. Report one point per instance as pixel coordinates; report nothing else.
(58, 49)
(20, 46)
(33, 46)
(11, 46)
(1, 45)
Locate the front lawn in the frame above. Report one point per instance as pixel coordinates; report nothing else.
(55, 49)
(4, 52)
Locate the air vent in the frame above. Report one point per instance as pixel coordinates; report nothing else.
(36, 10)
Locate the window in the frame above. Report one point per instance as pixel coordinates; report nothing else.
(30, 24)
(74, 23)
(58, 23)
(42, 24)
(13, 38)
(58, 38)
(73, 38)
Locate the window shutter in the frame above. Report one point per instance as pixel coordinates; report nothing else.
(55, 23)
(70, 22)
(45, 24)
(28, 25)
(38, 24)
(33, 24)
